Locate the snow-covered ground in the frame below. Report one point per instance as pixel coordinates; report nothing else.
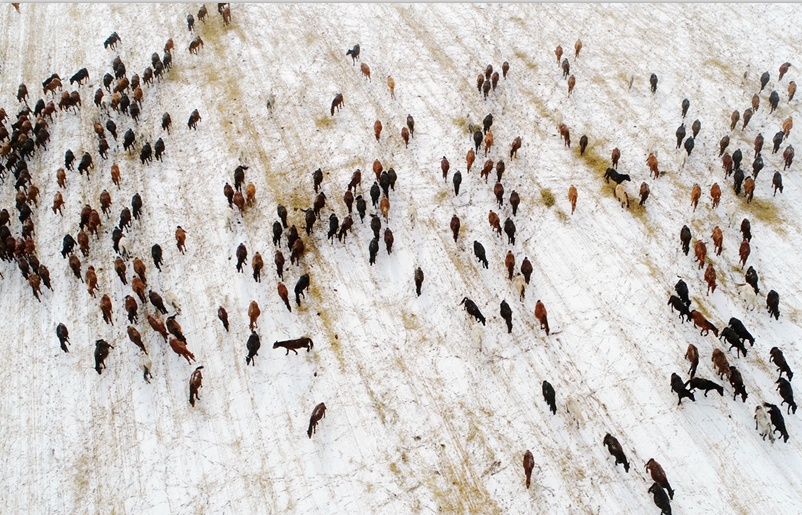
(428, 411)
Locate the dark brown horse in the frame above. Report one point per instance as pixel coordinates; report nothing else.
(195, 383)
(292, 345)
(318, 413)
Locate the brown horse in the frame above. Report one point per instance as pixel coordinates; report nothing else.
(720, 362)
(338, 102)
(377, 129)
(692, 355)
(470, 157)
(494, 221)
(119, 267)
(298, 248)
(194, 118)
(715, 193)
(509, 262)
(195, 45)
(195, 381)
(180, 238)
(158, 326)
(749, 189)
(257, 263)
(787, 125)
(486, 169)
(226, 13)
(699, 320)
(391, 85)
(710, 278)
(516, 145)
(405, 136)
(91, 280)
(115, 175)
(659, 476)
(571, 84)
(139, 288)
(105, 307)
(700, 249)
(651, 161)
(616, 155)
(181, 349)
(572, 196)
(384, 206)
(318, 413)
(696, 194)
(58, 201)
(445, 166)
(743, 252)
(644, 193)
(529, 464)
(488, 141)
(136, 338)
(131, 308)
(284, 295)
(253, 314)
(542, 316)
(566, 135)
(718, 237)
(498, 191)
(365, 69)
(559, 53)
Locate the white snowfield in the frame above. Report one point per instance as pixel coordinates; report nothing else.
(428, 411)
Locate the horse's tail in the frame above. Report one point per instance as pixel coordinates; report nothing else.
(309, 431)
(192, 397)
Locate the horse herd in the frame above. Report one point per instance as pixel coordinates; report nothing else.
(21, 149)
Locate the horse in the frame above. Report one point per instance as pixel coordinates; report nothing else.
(571, 84)
(105, 308)
(787, 394)
(736, 381)
(195, 383)
(391, 85)
(486, 169)
(63, 336)
(699, 320)
(516, 145)
(300, 286)
(653, 83)
(704, 384)
(720, 362)
(111, 41)
(91, 280)
(773, 304)
(405, 136)
(583, 144)
(194, 46)
(710, 278)
(644, 193)
(659, 476)
(292, 345)
(734, 117)
(479, 252)
(509, 230)
(488, 141)
(749, 189)
(618, 178)
(679, 305)
(318, 413)
(718, 237)
(158, 326)
(692, 355)
(777, 420)
(778, 359)
(566, 68)
(744, 251)
(566, 135)
(253, 346)
(777, 182)
(696, 194)
(763, 423)
(101, 353)
(253, 313)
(226, 13)
(338, 102)
(548, 396)
(542, 316)
(614, 448)
(498, 191)
(180, 348)
(791, 90)
(678, 387)
(509, 263)
(193, 119)
(354, 53)
(529, 464)
(139, 287)
(473, 310)
(157, 302)
(180, 238)
(572, 196)
(700, 249)
(660, 499)
(365, 69)
(621, 196)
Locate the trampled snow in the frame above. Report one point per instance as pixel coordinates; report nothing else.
(428, 411)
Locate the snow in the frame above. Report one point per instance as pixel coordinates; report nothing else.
(428, 411)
